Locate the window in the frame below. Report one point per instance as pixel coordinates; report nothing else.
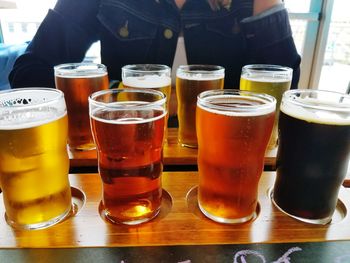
(321, 30)
(335, 69)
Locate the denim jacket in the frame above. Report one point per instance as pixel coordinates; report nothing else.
(146, 31)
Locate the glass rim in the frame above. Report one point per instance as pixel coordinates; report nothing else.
(29, 90)
(156, 68)
(201, 68)
(86, 68)
(293, 97)
(269, 106)
(113, 105)
(267, 68)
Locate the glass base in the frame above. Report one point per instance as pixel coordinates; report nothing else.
(40, 225)
(83, 147)
(227, 220)
(319, 221)
(188, 145)
(105, 214)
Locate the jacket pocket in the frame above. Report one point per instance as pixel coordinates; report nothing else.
(127, 21)
(228, 27)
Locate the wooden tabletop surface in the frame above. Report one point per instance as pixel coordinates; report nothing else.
(180, 221)
(173, 154)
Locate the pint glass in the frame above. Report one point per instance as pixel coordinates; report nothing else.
(149, 76)
(78, 81)
(270, 79)
(233, 129)
(190, 81)
(129, 138)
(313, 153)
(34, 162)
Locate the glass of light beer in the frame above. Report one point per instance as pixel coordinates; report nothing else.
(34, 162)
(313, 153)
(269, 79)
(190, 81)
(129, 137)
(149, 76)
(78, 81)
(233, 129)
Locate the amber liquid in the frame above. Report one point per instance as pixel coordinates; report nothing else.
(187, 91)
(130, 163)
(76, 91)
(34, 174)
(230, 163)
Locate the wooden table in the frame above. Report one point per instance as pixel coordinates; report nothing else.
(173, 154)
(180, 221)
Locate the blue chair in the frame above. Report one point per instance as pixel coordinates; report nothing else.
(8, 56)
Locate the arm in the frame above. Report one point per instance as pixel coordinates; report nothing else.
(64, 36)
(269, 37)
(263, 5)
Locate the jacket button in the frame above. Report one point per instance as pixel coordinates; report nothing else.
(168, 33)
(124, 32)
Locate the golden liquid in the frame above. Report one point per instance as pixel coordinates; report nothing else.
(162, 84)
(34, 168)
(273, 87)
(187, 91)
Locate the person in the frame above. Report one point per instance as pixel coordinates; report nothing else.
(221, 32)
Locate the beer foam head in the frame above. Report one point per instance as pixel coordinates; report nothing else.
(80, 70)
(128, 113)
(199, 76)
(30, 107)
(147, 81)
(200, 72)
(238, 105)
(269, 79)
(323, 109)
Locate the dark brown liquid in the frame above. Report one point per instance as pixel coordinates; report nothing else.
(312, 162)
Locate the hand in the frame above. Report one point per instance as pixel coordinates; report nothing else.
(262, 5)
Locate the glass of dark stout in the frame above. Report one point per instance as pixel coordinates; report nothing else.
(313, 153)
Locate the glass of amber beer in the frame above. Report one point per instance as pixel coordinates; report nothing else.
(190, 81)
(270, 79)
(313, 154)
(34, 162)
(128, 129)
(233, 129)
(78, 81)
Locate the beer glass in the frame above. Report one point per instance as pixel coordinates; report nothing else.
(129, 138)
(270, 79)
(233, 129)
(34, 162)
(78, 81)
(313, 153)
(190, 81)
(149, 76)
